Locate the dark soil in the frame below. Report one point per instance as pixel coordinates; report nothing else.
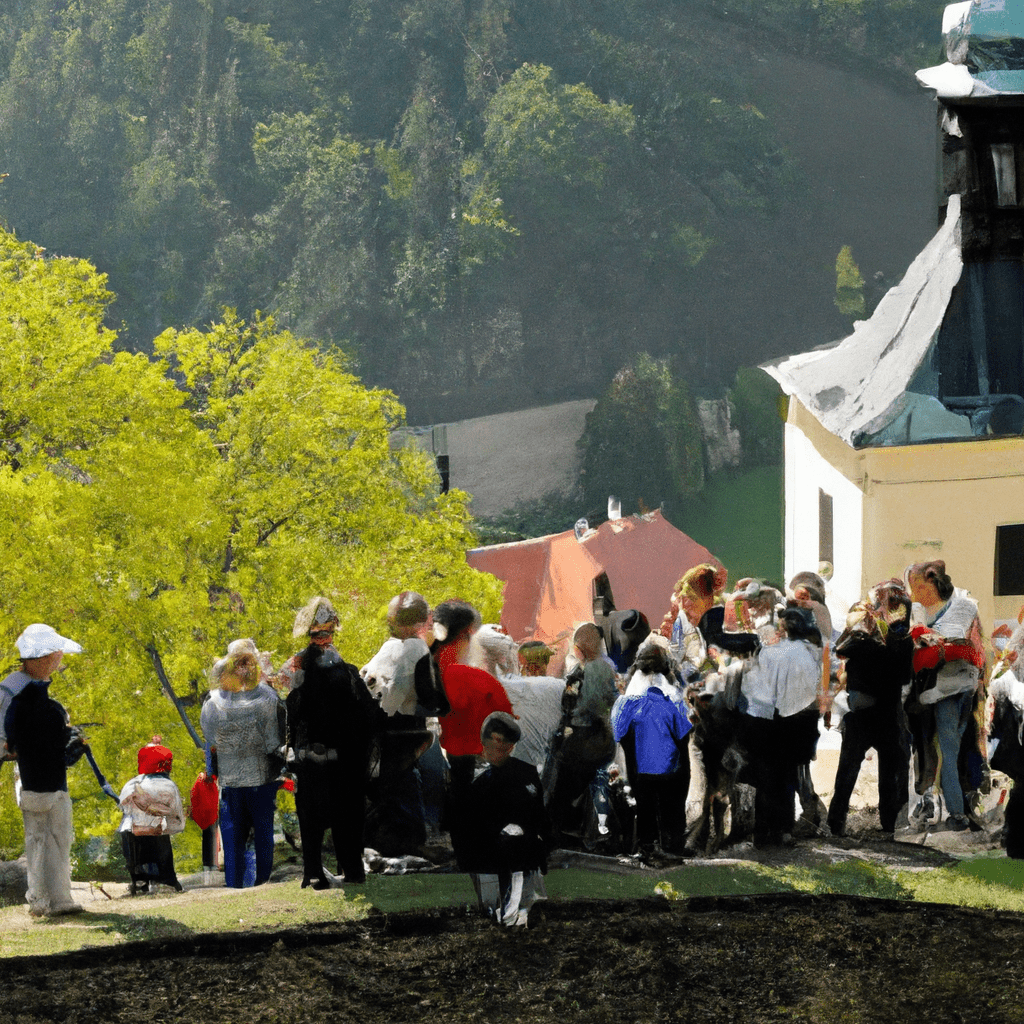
(786, 957)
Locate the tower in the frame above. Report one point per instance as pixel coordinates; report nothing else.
(904, 440)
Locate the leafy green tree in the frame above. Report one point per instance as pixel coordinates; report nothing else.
(155, 510)
(642, 442)
(556, 154)
(849, 286)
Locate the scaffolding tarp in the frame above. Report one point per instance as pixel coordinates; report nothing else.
(858, 387)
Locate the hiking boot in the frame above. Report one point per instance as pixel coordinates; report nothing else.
(956, 823)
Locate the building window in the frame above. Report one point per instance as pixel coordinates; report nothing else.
(825, 553)
(1009, 572)
(1004, 159)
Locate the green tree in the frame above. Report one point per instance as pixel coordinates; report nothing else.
(642, 442)
(557, 154)
(849, 286)
(154, 510)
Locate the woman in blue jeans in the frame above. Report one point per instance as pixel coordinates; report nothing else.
(242, 724)
(948, 639)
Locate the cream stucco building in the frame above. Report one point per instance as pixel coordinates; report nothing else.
(904, 441)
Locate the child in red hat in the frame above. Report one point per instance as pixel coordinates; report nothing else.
(153, 812)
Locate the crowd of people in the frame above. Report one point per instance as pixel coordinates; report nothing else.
(422, 742)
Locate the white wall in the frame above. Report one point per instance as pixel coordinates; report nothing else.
(806, 472)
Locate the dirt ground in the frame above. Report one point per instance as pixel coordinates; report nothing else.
(768, 958)
(752, 958)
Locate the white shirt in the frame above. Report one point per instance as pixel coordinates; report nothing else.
(783, 678)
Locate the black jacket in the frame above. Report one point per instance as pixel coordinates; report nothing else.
(39, 734)
(329, 707)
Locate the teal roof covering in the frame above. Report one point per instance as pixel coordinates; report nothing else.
(984, 42)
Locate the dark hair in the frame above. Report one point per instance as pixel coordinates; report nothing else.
(800, 624)
(502, 723)
(407, 610)
(652, 659)
(934, 572)
(454, 618)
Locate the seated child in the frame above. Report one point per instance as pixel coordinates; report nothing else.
(153, 813)
(509, 834)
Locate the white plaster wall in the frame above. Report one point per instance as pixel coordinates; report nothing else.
(806, 472)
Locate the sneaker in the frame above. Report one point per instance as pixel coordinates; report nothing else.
(957, 823)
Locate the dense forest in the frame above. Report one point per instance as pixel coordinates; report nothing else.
(481, 204)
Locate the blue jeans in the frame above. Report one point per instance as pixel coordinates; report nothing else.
(951, 717)
(245, 808)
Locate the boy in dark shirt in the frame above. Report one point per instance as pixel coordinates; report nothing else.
(507, 858)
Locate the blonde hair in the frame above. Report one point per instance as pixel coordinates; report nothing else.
(702, 582)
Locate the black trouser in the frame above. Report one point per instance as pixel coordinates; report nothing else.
(661, 809)
(331, 796)
(149, 859)
(880, 726)
(660, 801)
(584, 751)
(395, 823)
(1014, 822)
(461, 768)
(777, 747)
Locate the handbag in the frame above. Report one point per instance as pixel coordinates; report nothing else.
(205, 801)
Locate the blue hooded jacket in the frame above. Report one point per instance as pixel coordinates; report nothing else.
(659, 728)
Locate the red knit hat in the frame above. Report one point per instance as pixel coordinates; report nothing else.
(154, 758)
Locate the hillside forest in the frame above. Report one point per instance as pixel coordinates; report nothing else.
(480, 204)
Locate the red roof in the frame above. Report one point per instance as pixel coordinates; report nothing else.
(644, 557)
(549, 581)
(548, 584)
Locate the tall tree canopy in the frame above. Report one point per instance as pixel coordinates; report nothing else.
(155, 509)
(642, 442)
(514, 192)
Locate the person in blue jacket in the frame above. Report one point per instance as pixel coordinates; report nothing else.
(654, 734)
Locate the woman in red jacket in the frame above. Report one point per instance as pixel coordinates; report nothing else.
(473, 695)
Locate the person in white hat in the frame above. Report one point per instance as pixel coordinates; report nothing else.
(38, 734)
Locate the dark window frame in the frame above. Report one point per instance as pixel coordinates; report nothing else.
(1008, 569)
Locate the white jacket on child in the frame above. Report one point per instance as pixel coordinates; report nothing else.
(152, 806)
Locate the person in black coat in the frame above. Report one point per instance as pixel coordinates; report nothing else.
(876, 648)
(507, 847)
(331, 719)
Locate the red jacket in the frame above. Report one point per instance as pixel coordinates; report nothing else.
(473, 695)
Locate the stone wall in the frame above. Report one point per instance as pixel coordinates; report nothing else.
(721, 438)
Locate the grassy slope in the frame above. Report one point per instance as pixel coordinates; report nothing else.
(739, 520)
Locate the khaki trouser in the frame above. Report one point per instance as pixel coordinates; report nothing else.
(48, 838)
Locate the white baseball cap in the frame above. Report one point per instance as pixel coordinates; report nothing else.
(39, 640)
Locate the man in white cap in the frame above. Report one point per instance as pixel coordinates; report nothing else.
(39, 734)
